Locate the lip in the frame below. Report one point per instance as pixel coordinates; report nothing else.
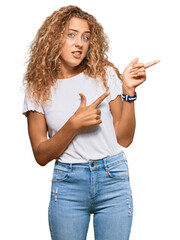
(77, 55)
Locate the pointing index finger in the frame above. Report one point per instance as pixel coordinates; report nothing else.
(149, 64)
(100, 99)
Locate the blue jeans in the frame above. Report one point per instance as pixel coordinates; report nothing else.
(100, 187)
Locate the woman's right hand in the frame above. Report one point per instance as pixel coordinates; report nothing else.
(88, 115)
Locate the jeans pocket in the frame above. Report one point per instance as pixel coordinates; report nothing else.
(61, 173)
(118, 170)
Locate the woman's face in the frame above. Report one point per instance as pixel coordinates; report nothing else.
(76, 43)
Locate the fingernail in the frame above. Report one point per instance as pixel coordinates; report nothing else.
(132, 73)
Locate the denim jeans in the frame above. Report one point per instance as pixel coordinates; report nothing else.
(99, 187)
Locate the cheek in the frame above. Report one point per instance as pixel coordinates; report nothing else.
(86, 48)
(69, 42)
(64, 54)
(66, 49)
(67, 46)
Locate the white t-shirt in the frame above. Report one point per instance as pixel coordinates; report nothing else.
(90, 143)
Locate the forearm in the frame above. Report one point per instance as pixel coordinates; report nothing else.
(125, 127)
(56, 145)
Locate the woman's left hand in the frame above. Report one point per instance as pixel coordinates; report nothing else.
(134, 75)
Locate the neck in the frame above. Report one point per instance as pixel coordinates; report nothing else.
(67, 72)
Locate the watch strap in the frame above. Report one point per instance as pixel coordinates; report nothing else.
(129, 98)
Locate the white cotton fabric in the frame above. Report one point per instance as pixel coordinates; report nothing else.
(90, 143)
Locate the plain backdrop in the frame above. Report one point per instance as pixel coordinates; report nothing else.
(145, 29)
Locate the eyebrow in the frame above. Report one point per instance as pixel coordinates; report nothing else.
(78, 31)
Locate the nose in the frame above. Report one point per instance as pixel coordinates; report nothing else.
(78, 42)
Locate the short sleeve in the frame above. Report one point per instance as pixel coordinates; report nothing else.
(28, 105)
(114, 83)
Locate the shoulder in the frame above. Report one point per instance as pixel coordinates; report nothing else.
(112, 73)
(109, 70)
(30, 105)
(114, 83)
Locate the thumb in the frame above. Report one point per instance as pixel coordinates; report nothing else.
(134, 61)
(83, 99)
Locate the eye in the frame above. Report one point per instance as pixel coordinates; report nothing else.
(85, 37)
(71, 34)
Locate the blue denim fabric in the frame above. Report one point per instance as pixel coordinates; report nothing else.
(99, 187)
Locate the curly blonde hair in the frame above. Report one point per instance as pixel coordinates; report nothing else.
(44, 63)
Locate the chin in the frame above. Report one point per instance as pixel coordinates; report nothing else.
(76, 64)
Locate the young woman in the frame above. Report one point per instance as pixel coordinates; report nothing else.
(74, 94)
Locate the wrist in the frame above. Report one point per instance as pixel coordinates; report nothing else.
(129, 91)
(129, 94)
(73, 124)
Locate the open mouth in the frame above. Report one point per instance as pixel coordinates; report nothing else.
(77, 54)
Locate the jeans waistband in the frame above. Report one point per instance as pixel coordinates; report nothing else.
(95, 163)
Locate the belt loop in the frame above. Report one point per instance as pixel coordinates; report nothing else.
(105, 163)
(90, 165)
(70, 168)
(124, 155)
